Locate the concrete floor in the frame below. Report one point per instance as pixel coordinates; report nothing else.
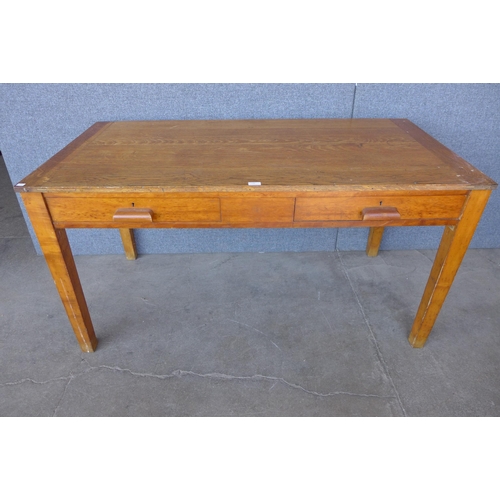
(245, 334)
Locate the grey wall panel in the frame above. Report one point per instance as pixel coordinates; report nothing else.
(37, 120)
(151, 241)
(236, 240)
(466, 119)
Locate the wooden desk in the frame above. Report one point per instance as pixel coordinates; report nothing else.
(201, 174)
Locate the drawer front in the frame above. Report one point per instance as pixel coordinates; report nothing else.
(96, 209)
(351, 208)
(247, 210)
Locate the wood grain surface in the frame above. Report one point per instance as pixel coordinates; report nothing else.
(128, 241)
(351, 207)
(283, 155)
(374, 240)
(57, 252)
(452, 248)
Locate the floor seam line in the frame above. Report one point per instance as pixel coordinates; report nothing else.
(221, 376)
(32, 381)
(374, 340)
(59, 402)
(70, 377)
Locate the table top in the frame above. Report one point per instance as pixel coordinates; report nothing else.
(283, 155)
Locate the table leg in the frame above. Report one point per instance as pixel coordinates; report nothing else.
(374, 239)
(128, 241)
(449, 256)
(57, 252)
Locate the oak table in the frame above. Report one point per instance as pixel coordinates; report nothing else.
(254, 173)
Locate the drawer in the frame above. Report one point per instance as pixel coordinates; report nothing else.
(351, 207)
(247, 210)
(168, 209)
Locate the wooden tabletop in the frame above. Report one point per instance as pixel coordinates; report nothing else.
(283, 155)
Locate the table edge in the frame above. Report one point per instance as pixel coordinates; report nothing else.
(445, 154)
(29, 183)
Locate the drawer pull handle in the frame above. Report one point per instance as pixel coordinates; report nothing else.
(133, 214)
(380, 213)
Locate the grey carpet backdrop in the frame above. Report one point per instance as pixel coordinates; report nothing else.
(37, 120)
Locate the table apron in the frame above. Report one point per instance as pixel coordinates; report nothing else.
(239, 210)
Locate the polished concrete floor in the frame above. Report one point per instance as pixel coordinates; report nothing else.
(245, 334)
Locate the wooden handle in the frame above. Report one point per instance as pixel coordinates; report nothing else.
(133, 214)
(380, 213)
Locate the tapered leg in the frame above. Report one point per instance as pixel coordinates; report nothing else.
(128, 241)
(374, 239)
(449, 256)
(55, 247)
